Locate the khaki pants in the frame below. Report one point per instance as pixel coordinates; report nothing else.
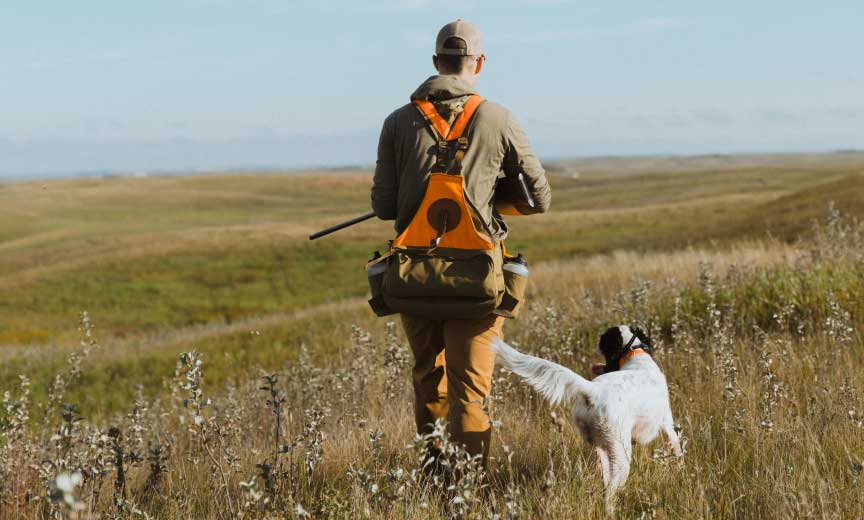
(453, 366)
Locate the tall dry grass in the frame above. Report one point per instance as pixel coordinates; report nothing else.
(762, 349)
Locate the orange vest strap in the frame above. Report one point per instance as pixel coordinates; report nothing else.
(462, 121)
(427, 108)
(433, 117)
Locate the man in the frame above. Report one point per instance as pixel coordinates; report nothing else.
(453, 360)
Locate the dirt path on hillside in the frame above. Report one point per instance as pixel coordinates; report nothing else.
(121, 347)
(605, 274)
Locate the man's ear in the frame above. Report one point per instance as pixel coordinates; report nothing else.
(480, 62)
(435, 63)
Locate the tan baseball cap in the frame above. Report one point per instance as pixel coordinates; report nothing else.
(466, 32)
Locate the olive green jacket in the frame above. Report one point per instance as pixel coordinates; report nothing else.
(497, 145)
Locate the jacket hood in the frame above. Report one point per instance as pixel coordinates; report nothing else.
(443, 87)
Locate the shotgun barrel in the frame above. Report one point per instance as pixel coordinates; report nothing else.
(343, 225)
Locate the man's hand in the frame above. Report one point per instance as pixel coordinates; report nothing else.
(597, 369)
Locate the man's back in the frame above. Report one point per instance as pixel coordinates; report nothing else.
(497, 146)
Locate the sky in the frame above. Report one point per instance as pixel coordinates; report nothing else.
(102, 85)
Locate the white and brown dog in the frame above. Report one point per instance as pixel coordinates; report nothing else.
(629, 402)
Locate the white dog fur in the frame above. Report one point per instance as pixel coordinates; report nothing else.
(628, 404)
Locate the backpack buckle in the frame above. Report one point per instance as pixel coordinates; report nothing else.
(443, 152)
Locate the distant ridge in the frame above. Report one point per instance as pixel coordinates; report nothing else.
(623, 165)
(680, 163)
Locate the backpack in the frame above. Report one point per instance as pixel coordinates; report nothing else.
(441, 267)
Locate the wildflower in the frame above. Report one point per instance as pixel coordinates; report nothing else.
(64, 489)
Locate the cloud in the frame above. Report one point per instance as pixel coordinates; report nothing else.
(672, 119)
(414, 4)
(846, 113)
(643, 26)
(384, 6)
(540, 2)
(263, 131)
(781, 116)
(103, 127)
(177, 126)
(702, 119)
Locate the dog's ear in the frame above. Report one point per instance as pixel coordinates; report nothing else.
(644, 339)
(611, 343)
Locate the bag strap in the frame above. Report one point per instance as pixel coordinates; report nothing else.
(462, 120)
(447, 134)
(439, 124)
(381, 258)
(461, 148)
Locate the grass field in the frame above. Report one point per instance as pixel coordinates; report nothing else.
(758, 314)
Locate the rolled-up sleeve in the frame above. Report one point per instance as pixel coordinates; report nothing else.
(384, 183)
(519, 156)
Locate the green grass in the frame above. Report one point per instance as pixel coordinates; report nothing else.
(788, 215)
(152, 258)
(190, 287)
(146, 254)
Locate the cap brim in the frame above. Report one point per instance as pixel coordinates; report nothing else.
(453, 52)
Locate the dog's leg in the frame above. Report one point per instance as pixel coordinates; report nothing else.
(672, 437)
(603, 462)
(620, 450)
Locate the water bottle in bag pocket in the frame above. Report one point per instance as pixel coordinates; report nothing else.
(375, 270)
(515, 285)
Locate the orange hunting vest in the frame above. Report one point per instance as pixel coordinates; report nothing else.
(444, 218)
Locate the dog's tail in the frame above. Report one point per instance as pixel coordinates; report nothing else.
(555, 382)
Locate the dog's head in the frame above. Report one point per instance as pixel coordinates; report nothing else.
(618, 341)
